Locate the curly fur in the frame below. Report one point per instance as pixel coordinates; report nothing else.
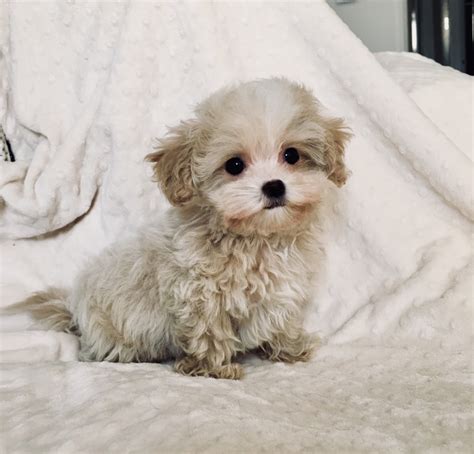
(223, 274)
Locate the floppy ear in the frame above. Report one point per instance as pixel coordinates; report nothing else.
(173, 162)
(337, 137)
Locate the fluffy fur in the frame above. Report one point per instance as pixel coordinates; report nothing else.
(223, 274)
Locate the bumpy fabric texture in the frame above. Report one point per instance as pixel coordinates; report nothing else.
(84, 89)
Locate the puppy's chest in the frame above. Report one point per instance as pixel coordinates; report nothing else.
(248, 277)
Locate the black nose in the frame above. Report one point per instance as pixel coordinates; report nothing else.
(274, 189)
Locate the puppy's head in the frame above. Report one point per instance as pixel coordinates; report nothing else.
(260, 154)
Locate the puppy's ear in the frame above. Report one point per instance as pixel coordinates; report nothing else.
(173, 162)
(337, 137)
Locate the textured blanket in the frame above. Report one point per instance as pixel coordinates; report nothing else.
(84, 89)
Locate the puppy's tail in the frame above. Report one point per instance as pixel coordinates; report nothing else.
(49, 308)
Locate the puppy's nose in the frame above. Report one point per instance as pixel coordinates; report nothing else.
(274, 189)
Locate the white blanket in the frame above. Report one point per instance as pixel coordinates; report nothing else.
(85, 88)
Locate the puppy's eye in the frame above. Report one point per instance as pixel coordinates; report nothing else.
(291, 155)
(234, 166)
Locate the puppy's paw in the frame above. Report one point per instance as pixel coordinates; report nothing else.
(232, 371)
(302, 349)
(290, 357)
(191, 366)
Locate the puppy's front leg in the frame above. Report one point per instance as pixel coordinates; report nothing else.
(291, 346)
(209, 344)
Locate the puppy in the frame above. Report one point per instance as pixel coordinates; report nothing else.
(230, 268)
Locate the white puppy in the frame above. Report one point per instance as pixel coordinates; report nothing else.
(230, 268)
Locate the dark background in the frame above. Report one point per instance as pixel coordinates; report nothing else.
(444, 31)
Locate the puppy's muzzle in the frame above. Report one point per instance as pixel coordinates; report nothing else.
(274, 190)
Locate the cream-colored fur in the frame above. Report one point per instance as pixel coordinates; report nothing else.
(222, 274)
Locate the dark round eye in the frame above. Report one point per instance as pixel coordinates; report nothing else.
(291, 155)
(234, 166)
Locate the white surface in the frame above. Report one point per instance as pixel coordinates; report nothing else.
(380, 24)
(398, 255)
(352, 399)
(37, 346)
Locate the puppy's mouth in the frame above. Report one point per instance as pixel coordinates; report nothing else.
(274, 204)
